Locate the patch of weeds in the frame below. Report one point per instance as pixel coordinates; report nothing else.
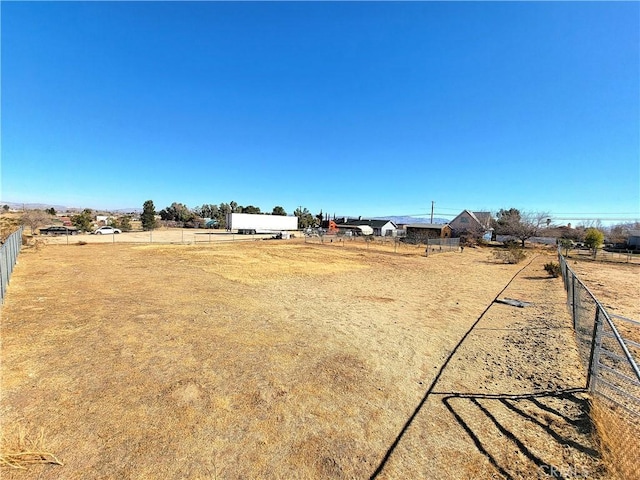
(512, 254)
(553, 269)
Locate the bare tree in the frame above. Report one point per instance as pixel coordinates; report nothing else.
(521, 225)
(586, 224)
(35, 219)
(620, 232)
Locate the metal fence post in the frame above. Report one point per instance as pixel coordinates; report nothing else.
(594, 357)
(3, 271)
(573, 301)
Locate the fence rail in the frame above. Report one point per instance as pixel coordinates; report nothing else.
(9, 251)
(611, 360)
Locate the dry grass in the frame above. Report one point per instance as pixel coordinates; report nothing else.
(616, 285)
(618, 433)
(279, 360)
(9, 223)
(20, 449)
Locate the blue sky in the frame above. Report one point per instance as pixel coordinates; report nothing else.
(356, 108)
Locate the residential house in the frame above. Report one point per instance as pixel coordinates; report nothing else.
(477, 223)
(102, 220)
(380, 228)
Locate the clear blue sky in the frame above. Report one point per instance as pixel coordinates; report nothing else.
(353, 108)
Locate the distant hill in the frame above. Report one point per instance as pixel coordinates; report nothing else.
(62, 208)
(33, 206)
(405, 220)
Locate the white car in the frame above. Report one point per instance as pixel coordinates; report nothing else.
(107, 231)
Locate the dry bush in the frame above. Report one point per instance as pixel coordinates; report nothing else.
(8, 225)
(618, 432)
(30, 242)
(511, 255)
(19, 449)
(553, 269)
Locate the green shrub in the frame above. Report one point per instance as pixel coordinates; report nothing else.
(566, 245)
(553, 269)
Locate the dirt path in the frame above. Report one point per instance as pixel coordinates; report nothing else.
(514, 387)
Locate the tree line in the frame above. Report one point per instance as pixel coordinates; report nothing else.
(513, 222)
(179, 214)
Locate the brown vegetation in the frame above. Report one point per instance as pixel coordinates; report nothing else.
(289, 360)
(9, 223)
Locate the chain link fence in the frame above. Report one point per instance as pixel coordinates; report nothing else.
(611, 360)
(398, 245)
(8, 256)
(605, 256)
(440, 245)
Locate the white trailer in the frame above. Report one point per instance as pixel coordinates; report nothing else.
(254, 223)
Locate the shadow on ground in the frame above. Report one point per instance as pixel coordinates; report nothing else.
(509, 400)
(507, 429)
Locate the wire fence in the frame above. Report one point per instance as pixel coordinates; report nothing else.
(440, 245)
(398, 245)
(611, 360)
(8, 256)
(186, 236)
(604, 256)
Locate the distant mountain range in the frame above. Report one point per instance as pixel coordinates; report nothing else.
(32, 206)
(63, 208)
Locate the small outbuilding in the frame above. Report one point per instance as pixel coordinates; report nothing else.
(420, 232)
(633, 242)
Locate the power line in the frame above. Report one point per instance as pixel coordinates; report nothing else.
(600, 213)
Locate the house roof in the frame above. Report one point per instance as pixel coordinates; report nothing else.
(482, 218)
(371, 223)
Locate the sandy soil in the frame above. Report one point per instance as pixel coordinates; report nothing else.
(615, 285)
(617, 288)
(159, 236)
(289, 360)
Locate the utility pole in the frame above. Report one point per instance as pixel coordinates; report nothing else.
(432, 202)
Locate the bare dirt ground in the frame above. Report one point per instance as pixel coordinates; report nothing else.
(158, 236)
(289, 360)
(615, 285)
(617, 288)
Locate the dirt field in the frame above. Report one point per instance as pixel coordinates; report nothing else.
(615, 285)
(289, 360)
(158, 236)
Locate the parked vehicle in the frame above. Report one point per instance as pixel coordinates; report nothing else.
(107, 231)
(58, 230)
(250, 223)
